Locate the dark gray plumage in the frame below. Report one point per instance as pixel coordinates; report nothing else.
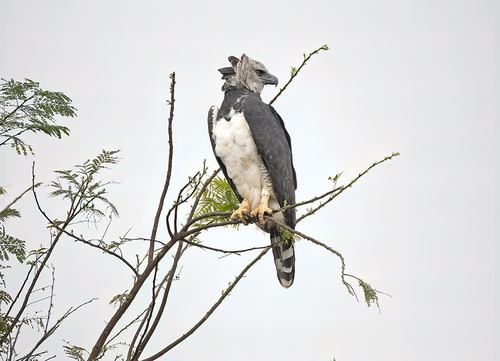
(254, 151)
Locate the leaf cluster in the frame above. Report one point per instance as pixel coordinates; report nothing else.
(370, 293)
(218, 197)
(8, 244)
(25, 107)
(85, 194)
(79, 186)
(11, 245)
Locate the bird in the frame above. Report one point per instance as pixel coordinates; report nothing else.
(254, 151)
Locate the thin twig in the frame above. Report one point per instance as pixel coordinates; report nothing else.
(138, 331)
(51, 298)
(21, 195)
(211, 311)
(147, 336)
(37, 273)
(169, 169)
(200, 194)
(333, 193)
(96, 350)
(53, 329)
(315, 241)
(63, 230)
(20, 289)
(238, 251)
(296, 71)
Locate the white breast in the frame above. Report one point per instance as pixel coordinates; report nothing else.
(234, 145)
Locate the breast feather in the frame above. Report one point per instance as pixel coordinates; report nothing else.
(235, 146)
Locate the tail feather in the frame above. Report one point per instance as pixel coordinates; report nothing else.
(284, 259)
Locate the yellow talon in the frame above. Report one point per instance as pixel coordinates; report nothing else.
(262, 209)
(242, 211)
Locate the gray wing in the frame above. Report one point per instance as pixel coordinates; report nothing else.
(274, 146)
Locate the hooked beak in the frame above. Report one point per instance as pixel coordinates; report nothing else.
(269, 79)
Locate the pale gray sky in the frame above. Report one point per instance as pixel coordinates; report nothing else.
(415, 77)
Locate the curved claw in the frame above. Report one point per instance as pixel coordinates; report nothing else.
(242, 211)
(260, 211)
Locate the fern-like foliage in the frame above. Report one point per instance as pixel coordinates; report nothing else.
(8, 212)
(8, 244)
(25, 107)
(218, 197)
(370, 293)
(11, 245)
(75, 352)
(80, 188)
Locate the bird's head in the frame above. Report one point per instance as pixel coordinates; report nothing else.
(247, 73)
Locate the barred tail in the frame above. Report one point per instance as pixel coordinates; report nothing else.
(284, 259)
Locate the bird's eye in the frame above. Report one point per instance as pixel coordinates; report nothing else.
(259, 72)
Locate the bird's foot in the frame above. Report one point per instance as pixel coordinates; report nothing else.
(261, 210)
(242, 211)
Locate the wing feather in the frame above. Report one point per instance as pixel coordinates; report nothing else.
(274, 146)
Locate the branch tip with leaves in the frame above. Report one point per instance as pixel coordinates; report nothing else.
(27, 108)
(295, 71)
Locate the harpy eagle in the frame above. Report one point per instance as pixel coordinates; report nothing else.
(254, 150)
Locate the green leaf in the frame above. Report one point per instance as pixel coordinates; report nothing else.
(370, 293)
(11, 246)
(8, 213)
(80, 188)
(218, 197)
(5, 297)
(119, 299)
(24, 107)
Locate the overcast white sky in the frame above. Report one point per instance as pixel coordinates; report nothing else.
(410, 76)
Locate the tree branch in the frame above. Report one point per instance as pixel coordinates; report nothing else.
(53, 329)
(211, 311)
(63, 230)
(337, 191)
(169, 168)
(296, 71)
(200, 194)
(96, 350)
(147, 336)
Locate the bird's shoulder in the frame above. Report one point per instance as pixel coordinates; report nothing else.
(241, 100)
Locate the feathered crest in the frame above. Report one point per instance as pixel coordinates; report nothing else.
(242, 74)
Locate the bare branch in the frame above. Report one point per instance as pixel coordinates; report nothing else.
(14, 301)
(211, 311)
(170, 275)
(53, 329)
(37, 274)
(21, 195)
(208, 215)
(238, 251)
(315, 241)
(193, 183)
(63, 230)
(334, 192)
(146, 337)
(169, 169)
(96, 350)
